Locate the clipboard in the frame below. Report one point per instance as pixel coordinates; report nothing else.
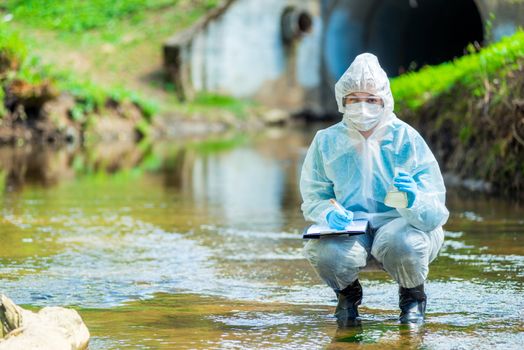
(356, 227)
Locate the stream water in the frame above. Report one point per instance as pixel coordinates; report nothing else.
(197, 245)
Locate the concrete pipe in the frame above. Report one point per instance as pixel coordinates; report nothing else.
(295, 24)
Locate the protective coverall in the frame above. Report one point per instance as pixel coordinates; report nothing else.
(342, 164)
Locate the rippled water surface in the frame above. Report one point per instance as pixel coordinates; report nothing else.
(197, 245)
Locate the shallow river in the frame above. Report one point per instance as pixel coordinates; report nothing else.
(197, 245)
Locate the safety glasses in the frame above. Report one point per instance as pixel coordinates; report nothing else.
(371, 99)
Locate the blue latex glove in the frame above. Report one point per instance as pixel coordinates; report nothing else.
(339, 221)
(405, 183)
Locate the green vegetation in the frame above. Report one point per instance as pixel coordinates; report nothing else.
(111, 44)
(214, 145)
(94, 96)
(3, 111)
(471, 111)
(206, 104)
(112, 48)
(12, 53)
(12, 48)
(16, 63)
(413, 90)
(79, 16)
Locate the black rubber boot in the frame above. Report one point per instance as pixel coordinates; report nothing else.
(412, 302)
(348, 301)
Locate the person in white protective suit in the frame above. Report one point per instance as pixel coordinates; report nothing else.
(354, 162)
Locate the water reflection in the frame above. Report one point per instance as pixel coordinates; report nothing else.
(245, 184)
(383, 335)
(47, 166)
(42, 166)
(246, 187)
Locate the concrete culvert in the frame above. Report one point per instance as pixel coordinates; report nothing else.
(403, 34)
(295, 24)
(305, 22)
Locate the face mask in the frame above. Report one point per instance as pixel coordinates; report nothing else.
(363, 116)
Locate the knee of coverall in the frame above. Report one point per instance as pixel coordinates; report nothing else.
(405, 252)
(338, 258)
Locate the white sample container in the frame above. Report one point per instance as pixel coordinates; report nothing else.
(394, 197)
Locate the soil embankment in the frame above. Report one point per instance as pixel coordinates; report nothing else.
(37, 112)
(476, 128)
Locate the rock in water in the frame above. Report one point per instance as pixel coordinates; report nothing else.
(52, 328)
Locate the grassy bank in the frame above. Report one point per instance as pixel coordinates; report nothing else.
(110, 43)
(471, 112)
(105, 53)
(28, 67)
(115, 46)
(43, 98)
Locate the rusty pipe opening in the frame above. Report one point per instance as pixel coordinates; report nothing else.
(295, 24)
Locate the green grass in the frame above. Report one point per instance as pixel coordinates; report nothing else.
(93, 96)
(3, 111)
(214, 145)
(237, 107)
(412, 90)
(29, 68)
(105, 45)
(81, 15)
(466, 109)
(12, 47)
(13, 53)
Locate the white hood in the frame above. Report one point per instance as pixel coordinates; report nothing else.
(365, 75)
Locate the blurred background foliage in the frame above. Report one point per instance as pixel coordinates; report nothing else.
(413, 89)
(78, 16)
(102, 49)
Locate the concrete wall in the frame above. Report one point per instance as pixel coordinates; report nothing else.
(241, 53)
(508, 15)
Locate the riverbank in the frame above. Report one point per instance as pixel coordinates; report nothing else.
(112, 43)
(41, 103)
(97, 75)
(471, 112)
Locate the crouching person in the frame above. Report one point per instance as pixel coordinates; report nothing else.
(357, 161)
